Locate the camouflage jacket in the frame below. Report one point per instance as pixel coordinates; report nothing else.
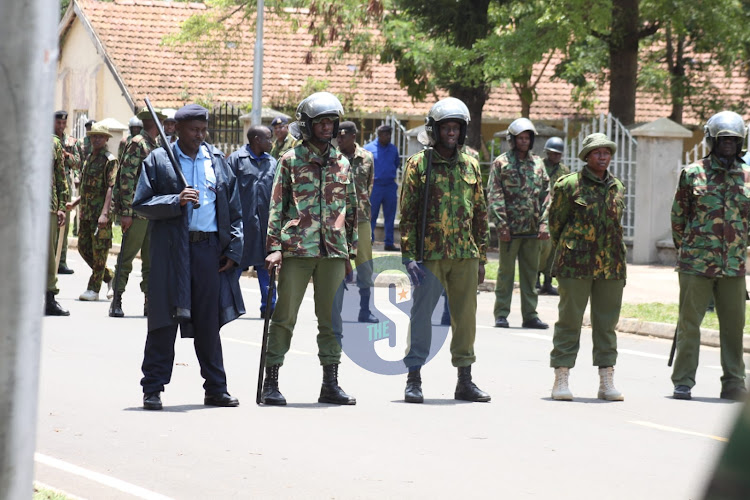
(554, 172)
(518, 194)
(710, 218)
(59, 192)
(279, 148)
(130, 170)
(586, 225)
(457, 212)
(313, 205)
(99, 174)
(73, 158)
(364, 173)
(124, 142)
(84, 146)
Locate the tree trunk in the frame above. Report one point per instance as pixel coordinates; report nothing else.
(474, 98)
(623, 60)
(678, 82)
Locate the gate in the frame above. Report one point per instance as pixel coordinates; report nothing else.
(225, 128)
(623, 162)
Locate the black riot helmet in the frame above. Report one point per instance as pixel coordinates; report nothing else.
(446, 109)
(318, 105)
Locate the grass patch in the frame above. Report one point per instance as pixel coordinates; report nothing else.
(41, 493)
(668, 313)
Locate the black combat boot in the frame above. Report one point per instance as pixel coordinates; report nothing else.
(466, 390)
(145, 306)
(330, 392)
(538, 282)
(52, 307)
(413, 392)
(365, 316)
(271, 394)
(115, 309)
(547, 288)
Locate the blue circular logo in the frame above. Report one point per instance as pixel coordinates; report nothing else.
(406, 334)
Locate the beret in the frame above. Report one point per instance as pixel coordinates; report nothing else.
(348, 126)
(385, 128)
(191, 112)
(279, 120)
(61, 115)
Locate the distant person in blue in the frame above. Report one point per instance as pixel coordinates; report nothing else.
(254, 168)
(384, 189)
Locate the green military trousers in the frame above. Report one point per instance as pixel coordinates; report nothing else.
(363, 261)
(546, 257)
(459, 278)
(94, 245)
(51, 255)
(606, 301)
(527, 251)
(295, 274)
(136, 238)
(695, 294)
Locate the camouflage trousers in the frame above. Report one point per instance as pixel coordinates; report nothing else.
(94, 248)
(546, 258)
(51, 255)
(135, 239)
(606, 301)
(364, 254)
(695, 294)
(295, 274)
(527, 252)
(459, 278)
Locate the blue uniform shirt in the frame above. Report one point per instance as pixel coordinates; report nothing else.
(199, 173)
(386, 161)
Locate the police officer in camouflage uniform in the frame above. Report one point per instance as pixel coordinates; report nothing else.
(135, 234)
(72, 159)
(710, 226)
(455, 244)
(518, 199)
(362, 165)
(135, 125)
(59, 194)
(554, 148)
(312, 228)
(95, 234)
(586, 226)
(284, 140)
(84, 143)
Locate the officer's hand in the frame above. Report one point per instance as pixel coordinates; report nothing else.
(481, 273)
(226, 263)
(60, 218)
(416, 273)
(503, 234)
(273, 259)
(125, 222)
(188, 195)
(102, 221)
(543, 235)
(349, 274)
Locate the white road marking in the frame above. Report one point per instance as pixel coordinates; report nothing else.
(642, 354)
(720, 368)
(677, 430)
(97, 477)
(257, 344)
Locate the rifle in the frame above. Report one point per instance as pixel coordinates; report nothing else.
(168, 149)
(674, 347)
(264, 342)
(425, 200)
(60, 239)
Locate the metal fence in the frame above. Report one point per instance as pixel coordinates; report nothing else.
(623, 162)
(225, 128)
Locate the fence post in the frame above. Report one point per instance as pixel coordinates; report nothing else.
(659, 144)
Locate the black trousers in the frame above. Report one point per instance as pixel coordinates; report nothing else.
(158, 357)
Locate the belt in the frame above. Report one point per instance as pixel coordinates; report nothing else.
(196, 236)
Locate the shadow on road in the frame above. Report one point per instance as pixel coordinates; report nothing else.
(582, 400)
(174, 409)
(436, 402)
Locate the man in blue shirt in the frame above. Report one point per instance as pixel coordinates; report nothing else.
(384, 189)
(254, 168)
(196, 242)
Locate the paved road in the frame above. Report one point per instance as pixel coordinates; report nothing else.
(95, 441)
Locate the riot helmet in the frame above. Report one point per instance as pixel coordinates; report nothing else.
(135, 122)
(318, 105)
(446, 109)
(725, 124)
(518, 126)
(554, 145)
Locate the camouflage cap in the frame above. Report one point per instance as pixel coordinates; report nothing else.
(99, 129)
(594, 141)
(144, 114)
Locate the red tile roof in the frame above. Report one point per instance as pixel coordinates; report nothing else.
(132, 31)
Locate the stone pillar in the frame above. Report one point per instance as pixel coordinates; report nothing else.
(660, 146)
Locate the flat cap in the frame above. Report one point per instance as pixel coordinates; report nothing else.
(348, 127)
(191, 112)
(61, 115)
(595, 141)
(279, 120)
